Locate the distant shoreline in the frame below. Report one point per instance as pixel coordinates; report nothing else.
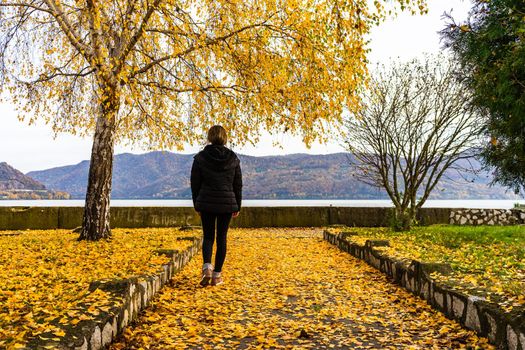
(460, 203)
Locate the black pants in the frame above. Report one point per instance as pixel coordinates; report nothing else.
(208, 226)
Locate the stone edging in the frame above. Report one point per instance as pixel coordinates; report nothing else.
(503, 329)
(130, 296)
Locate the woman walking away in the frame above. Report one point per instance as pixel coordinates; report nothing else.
(216, 188)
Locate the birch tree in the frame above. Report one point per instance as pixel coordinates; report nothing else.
(160, 72)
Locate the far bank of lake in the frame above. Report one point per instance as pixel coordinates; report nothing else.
(460, 203)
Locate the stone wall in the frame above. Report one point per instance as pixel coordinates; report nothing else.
(487, 216)
(21, 218)
(504, 329)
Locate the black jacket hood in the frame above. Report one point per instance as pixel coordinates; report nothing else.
(220, 157)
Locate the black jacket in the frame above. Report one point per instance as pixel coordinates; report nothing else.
(216, 180)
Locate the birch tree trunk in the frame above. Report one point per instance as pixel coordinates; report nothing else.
(96, 221)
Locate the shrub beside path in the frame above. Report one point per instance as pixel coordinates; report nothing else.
(287, 288)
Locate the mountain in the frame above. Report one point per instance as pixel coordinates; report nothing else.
(151, 175)
(12, 179)
(162, 175)
(15, 185)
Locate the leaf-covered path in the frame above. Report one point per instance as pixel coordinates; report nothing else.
(287, 288)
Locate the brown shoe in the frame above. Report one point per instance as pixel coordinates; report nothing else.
(217, 279)
(207, 272)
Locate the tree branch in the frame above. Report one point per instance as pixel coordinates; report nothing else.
(66, 27)
(123, 52)
(190, 49)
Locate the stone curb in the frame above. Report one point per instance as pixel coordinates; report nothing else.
(504, 329)
(136, 294)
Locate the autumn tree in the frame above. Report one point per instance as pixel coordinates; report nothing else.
(159, 72)
(490, 45)
(417, 121)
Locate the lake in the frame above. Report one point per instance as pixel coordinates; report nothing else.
(466, 203)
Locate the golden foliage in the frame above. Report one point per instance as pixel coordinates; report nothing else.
(44, 275)
(167, 70)
(286, 288)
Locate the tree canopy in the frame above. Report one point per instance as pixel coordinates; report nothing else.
(180, 66)
(490, 47)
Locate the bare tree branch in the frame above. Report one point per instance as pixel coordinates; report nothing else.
(416, 123)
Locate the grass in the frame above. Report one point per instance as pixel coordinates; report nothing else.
(484, 258)
(45, 274)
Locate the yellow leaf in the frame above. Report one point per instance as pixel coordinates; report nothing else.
(59, 333)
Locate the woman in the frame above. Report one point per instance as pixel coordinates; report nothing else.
(216, 188)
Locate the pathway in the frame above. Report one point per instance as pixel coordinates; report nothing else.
(287, 288)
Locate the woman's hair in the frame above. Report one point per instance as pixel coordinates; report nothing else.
(217, 135)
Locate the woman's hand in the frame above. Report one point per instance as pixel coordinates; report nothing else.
(235, 214)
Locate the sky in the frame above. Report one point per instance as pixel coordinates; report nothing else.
(35, 147)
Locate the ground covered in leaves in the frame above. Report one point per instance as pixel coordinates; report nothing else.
(485, 259)
(287, 288)
(44, 275)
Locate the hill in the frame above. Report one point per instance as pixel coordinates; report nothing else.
(163, 175)
(15, 185)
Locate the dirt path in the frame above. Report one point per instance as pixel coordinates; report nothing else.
(287, 288)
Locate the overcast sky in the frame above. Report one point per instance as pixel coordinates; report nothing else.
(34, 147)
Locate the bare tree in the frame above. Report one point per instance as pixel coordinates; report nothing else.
(417, 121)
